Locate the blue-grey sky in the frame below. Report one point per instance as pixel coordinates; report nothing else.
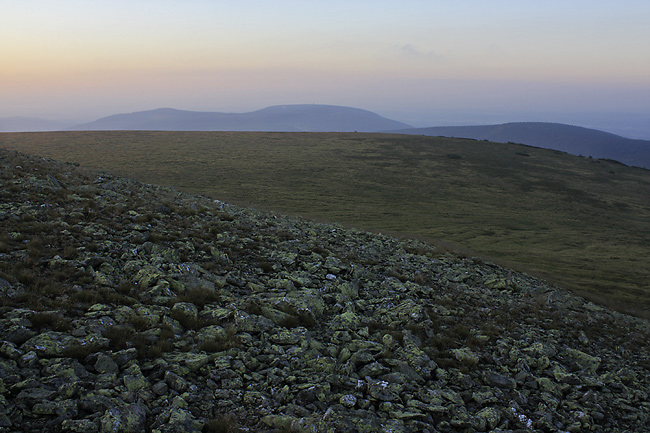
(423, 62)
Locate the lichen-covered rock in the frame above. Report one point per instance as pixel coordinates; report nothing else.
(383, 391)
(486, 419)
(290, 337)
(177, 419)
(134, 379)
(192, 361)
(79, 425)
(49, 343)
(34, 395)
(348, 400)
(215, 315)
(465, 356)
(252, 323)
(582, 361)
(185, 312)
(105, 364)
(176, 382)
(346, 320)
(9, 350)
(124, 419)
(147, 276)
(499, 380)
(278, 317)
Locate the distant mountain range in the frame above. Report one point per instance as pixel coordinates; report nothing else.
(286, 118)
(571, 139)
(31, 124)
(332, 118)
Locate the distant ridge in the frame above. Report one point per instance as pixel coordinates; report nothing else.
(567, 138)
(30, 124)
(286, 118)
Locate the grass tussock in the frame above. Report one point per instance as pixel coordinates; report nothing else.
(223, 424)
(50, 320)
(126, 336)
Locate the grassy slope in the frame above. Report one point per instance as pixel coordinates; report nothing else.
(582, 223)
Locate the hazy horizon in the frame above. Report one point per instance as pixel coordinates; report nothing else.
(425, 63)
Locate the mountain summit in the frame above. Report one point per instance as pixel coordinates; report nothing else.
(287, 118)
(132, 307)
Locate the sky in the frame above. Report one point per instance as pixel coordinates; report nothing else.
(421, 62)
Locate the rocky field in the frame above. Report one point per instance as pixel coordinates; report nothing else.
(129, 307)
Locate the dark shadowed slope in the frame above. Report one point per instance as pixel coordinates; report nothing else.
(290, 118)
(572, 139)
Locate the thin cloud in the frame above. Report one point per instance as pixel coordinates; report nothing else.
(413, 52)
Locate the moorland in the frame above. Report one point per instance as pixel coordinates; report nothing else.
(129, 307)
(581, 223)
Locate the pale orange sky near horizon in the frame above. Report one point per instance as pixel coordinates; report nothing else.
(79, 59)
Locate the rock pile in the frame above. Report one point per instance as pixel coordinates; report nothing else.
(130, 307)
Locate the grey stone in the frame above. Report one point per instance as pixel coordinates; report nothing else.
(499, 380)
(105, 364)
(176, 382)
